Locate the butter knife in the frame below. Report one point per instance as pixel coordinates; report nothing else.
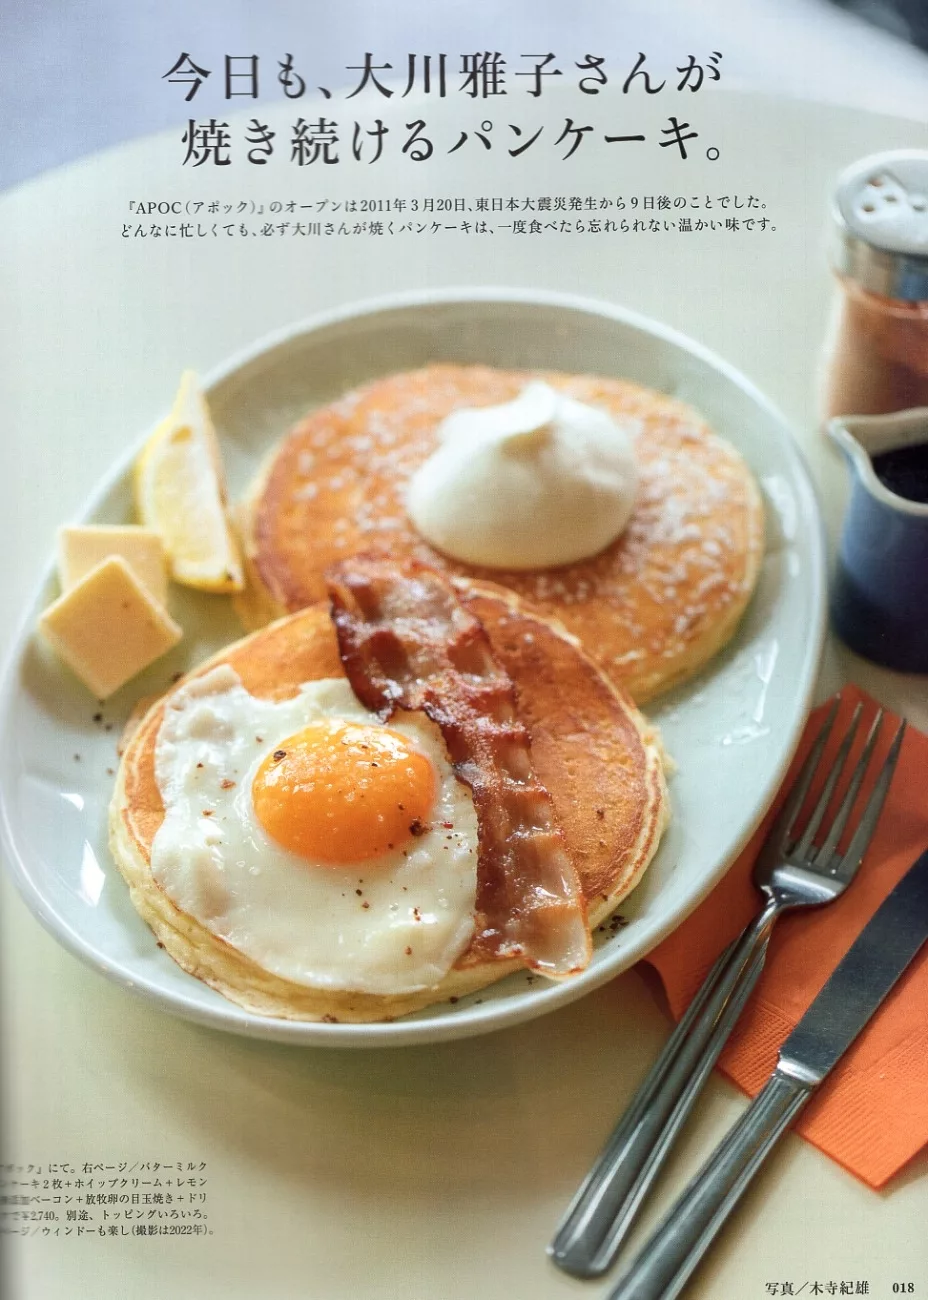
(851, 996)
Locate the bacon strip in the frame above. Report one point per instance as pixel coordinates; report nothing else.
(406, 641)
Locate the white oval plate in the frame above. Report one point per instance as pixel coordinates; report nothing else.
(731, 731)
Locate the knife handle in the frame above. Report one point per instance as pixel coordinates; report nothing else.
(673, 1252)
(600, 1217)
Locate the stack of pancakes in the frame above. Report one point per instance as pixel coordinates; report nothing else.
(652, 608)
(595, 754)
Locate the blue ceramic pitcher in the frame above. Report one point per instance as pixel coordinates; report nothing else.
(880, 594)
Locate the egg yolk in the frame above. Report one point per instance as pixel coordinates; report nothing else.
(344, 792)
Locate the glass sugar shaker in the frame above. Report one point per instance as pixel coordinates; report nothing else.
(876, 358)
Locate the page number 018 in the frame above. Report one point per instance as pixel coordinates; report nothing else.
(903, 1288)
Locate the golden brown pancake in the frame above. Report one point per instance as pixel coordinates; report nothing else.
(652, 608)
(592, 750)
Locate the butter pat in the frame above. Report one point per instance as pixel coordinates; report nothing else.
(107, 627)
(81, 549)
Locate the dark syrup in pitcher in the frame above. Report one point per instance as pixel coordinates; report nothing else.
(904, 471)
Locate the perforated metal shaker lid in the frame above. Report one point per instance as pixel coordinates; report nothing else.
(881, 218)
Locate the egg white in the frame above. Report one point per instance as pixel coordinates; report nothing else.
(387, 925)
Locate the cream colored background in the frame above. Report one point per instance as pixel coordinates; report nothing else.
(415, 1173)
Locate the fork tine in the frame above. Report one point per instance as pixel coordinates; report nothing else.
(782, 829)
(867, 825)
(818, 812)
(823, 856)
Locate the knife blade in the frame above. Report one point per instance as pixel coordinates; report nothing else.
(853, 993)
(861, 980)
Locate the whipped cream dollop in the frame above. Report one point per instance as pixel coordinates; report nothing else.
(539, 481)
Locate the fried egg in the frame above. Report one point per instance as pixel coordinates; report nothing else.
(332, 849)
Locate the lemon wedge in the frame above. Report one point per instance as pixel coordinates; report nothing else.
(180, 493)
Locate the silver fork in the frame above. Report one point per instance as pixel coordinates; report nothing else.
(790, 872)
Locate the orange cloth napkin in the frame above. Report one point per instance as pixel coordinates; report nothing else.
(871, 1113)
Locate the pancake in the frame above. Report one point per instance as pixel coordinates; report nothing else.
(652, 608)
(595, 754)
